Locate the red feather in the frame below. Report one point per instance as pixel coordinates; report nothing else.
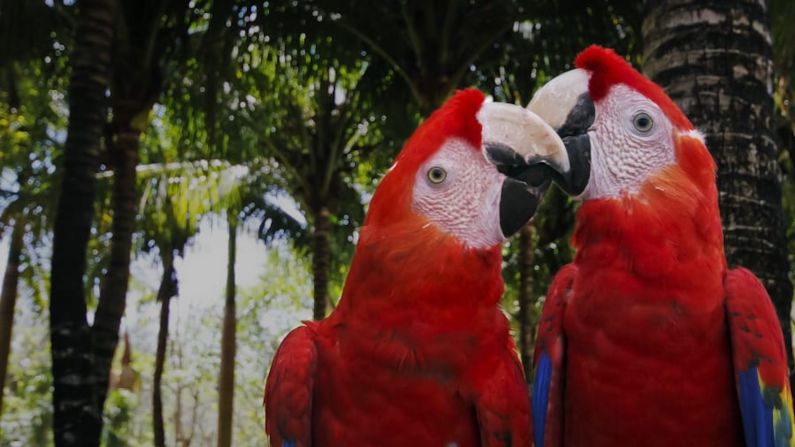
(288, 396)
(757, 340)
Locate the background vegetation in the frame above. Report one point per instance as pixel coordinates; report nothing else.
(181, 181)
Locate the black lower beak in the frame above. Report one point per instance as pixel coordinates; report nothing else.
(518, 203)
(574, 133)
(575, 180)
(522, 190)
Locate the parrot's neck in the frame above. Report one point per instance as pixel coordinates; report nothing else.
(669, 228)
(413, 293)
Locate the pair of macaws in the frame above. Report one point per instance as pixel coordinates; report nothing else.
(646, 339)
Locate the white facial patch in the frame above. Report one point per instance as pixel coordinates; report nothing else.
(631, 139)
(465, 200)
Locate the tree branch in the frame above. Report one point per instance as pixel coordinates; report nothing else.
(413, 37)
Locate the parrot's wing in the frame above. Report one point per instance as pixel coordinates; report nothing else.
(760, 362)
(288, 391)
(502, 407)
(547, 397)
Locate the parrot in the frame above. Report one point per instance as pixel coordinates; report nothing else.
(647, 338)
(417, 352)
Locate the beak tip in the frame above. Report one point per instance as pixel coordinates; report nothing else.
(518, 204)
(564, 103)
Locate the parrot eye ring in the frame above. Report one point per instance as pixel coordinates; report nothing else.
(643, 122)
(437, 175)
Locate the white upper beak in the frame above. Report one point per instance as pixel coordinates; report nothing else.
(522, 131)
(553, 102)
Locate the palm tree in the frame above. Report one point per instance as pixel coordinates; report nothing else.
(235, 140)
(168, 289)
(141, 35)
(146, 34)
(175, 196)
(714, 60)
(76, 415)
(226, 375)
(31, 115)
(320, 134)
(444, 39)
(8, 297)
(317, 163)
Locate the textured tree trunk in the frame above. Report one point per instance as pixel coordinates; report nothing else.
(714, 59)
(321, 259)
(527, 315)
(8, 299)
(112, 298)
(226, 379)
(165, 292)
(75, 411)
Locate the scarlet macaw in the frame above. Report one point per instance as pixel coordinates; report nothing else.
(647, 338)
(417, 353)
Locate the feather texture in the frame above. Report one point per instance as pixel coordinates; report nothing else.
(290, 385)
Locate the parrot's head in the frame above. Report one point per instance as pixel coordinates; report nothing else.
(622, 134)
(426, 274)
(446, 185)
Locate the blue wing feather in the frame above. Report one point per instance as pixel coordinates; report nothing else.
(757, 417)
(541, 386)
(550, 351)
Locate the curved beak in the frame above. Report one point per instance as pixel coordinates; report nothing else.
(520, 144)
(565, 104)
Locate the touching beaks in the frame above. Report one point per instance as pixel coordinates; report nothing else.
(565, 104)
(519, 143)
(514, 136)
(549, 140)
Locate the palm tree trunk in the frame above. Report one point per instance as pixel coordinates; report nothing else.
(8, 299)
(321, 259)
(179, 439)
(226, 379)
(112, 298)
(526, 317)
(165, 292)
(714, 59)
(75, 413)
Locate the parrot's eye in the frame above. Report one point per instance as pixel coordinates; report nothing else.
(436, 175)
(643, 122)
